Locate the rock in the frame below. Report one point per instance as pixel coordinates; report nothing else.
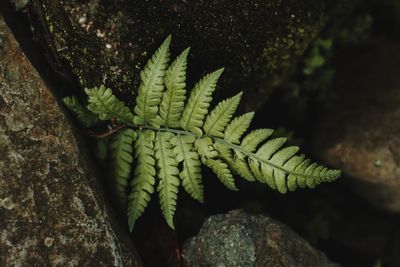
(240, 239)
(52, 211)
(19, 4)
(362, 134)
(259, 42)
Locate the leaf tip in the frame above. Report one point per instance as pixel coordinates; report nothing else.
(131, 224)
(186, 51)
(170, 223)
(219, 71)
(167, 40)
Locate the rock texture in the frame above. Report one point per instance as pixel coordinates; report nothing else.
(19, 4)
(51, 208)
(259, 42)
(362, 134)
(244, 240)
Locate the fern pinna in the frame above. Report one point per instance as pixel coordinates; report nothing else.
(166, 138)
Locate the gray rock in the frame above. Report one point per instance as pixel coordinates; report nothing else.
(52, 212)
(362, 134)
(240, 239)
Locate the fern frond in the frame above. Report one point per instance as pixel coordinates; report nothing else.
(168, 171)
(142, 186)
(152, 86)
(174, 138)
(220, 116)
(173, 100)
(107, 106)
(121, 155)
(84, 116)
(191, 171)
(199, 101)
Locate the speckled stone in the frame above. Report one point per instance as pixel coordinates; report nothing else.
(51, 208)
(238, 239)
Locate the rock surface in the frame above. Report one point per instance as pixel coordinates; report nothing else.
(242, 240)
(362, 134)
(259, 42)
(52, 212)
(19, 4)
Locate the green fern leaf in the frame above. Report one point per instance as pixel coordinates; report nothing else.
(256, 137)
(84, 116)
(168, 171)
(173, 100)
(106, 106)
(174, 138)
(236, 164)
(152, 86)
(191, 172)
(242, 168)
(209, 157)
(142, 186)
(222, 171)
(205, 148)
(199, 101)
(221, 115)
(238, 127)
(121, 153)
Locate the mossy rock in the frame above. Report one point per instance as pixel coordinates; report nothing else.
(259, 42)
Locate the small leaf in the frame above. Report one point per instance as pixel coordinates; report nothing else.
(199, 101)
(168, 185)
(121, 155)
(191, 171)
(237, 128)
(221, 115)
(103, 103)
(223, 173)
(254, 138)
(142, 185)
(84, 116)
(152, 86)
(173, 100)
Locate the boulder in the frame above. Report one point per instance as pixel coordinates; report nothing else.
(259, 42)
(52, 210)
(362, 134)
(241, 239)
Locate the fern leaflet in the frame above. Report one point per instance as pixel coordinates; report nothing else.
(84, 116)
